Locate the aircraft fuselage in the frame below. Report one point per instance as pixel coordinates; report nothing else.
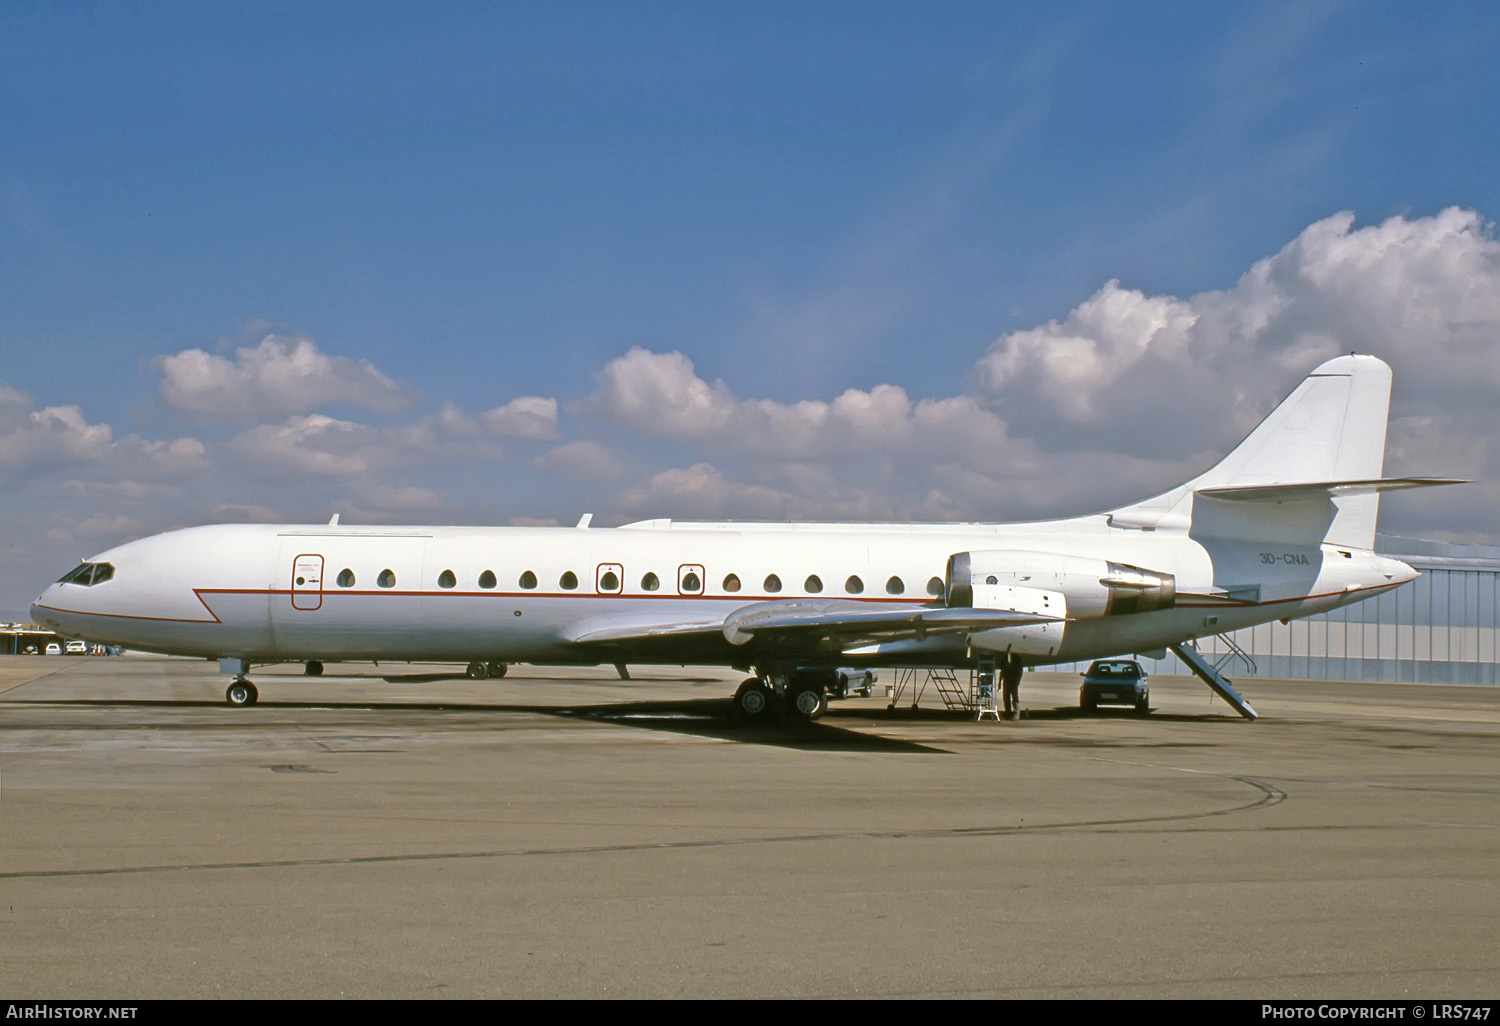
(266, 593)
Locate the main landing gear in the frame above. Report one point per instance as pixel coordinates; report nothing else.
(754, 703)
(800, 696)
(479, 671)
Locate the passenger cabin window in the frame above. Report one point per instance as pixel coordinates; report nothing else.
(773, 583)
(691, 582)
(895, 587)
(650, 582)
(528, 580)
(346, 578)
(854, 586)
(732, 583)
(608, 581)
(812, 584)
(935, 586)
(387, 578)
(487, 579)
(568, 581)
(446, 579)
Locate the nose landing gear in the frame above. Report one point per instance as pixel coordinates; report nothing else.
(241, 692)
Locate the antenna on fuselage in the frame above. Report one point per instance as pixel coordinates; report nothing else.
(583, 521)
(333, 520)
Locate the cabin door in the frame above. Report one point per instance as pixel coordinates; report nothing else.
(307, 581)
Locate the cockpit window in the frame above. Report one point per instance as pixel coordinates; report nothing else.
(88, 574)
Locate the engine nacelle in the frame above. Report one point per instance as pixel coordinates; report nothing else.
(1034, 639)
(1092, 587)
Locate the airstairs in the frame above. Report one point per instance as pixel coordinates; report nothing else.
(1210, 675)
(1236, 651)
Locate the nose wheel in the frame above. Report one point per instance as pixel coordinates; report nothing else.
(241, 692)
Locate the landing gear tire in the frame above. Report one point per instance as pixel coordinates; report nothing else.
(241, 692)
(806, 702)
(477, 671)
(752, 704)
(496, 670)
(314, 668)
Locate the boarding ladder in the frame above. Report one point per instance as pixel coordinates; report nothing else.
(956, 698)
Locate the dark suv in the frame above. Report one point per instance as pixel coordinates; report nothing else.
(1115, 682)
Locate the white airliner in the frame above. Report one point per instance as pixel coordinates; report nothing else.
(1282, 527)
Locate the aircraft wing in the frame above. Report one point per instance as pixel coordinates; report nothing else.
(813, 623)
(857, 620)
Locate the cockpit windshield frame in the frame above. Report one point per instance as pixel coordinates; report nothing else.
(88, 574)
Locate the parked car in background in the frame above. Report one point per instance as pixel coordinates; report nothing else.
(853, 682)
(77, 648)
(1115, 682)
(53, 648)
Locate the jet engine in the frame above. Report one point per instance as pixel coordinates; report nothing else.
(989, 579)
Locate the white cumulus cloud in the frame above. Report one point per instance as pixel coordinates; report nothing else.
(278, 376)
(527, 417)
(1422, 293)
(584, 459)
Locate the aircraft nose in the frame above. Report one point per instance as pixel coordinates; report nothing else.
(45, 609)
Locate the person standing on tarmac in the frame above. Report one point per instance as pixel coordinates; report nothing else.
(1010, 687)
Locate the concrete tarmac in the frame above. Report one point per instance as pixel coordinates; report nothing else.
(399, 831)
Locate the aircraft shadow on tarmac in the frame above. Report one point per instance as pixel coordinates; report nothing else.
(838, 730)
(704, 717)
(708, 717)
(456, 676)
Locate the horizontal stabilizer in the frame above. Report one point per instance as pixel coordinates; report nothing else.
(1312, 490)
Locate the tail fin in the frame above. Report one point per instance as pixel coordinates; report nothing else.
(1310, 472)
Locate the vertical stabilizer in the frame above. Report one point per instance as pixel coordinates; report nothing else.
(1331, 429)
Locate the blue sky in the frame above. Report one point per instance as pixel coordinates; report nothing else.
(486, 202)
